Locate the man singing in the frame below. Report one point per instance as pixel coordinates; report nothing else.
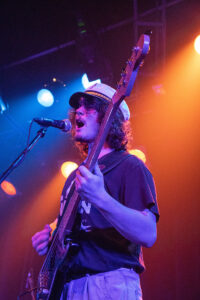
(118, 210)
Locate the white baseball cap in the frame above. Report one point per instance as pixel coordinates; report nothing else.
(103, 92)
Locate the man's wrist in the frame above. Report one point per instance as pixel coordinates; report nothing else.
(103, 201)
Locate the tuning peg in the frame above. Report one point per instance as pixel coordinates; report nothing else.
(136, 49)
(123, 74)
(118, 86)
(129, 62)
(124, 82)
(142, 63)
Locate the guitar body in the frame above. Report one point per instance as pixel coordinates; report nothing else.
(56, 283)
(51, 277)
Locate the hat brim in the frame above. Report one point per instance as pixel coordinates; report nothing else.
(74, 99)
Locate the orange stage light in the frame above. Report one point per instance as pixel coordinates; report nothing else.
(8, 188)
(138, 153)
(68, 167)
(197, 44)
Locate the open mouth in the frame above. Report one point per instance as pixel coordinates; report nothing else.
(79, 123)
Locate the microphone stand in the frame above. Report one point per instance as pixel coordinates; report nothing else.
(20, 158)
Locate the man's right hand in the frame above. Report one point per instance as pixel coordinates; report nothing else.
(41, 239)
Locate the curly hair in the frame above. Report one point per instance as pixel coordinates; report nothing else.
(119, 133)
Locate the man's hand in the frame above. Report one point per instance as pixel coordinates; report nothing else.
(41, 239)
(90, 186)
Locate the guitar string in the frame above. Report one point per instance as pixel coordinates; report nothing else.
(56, 239)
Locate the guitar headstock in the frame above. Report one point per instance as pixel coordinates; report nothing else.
(128, 76)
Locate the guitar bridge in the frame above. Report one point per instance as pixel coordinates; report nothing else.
(43, 290)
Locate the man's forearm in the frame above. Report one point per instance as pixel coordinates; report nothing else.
(137, 226)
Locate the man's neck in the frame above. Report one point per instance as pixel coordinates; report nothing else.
(105, 150)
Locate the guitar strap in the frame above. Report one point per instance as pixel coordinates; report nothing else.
(118, 157)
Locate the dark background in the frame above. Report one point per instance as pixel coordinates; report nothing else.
(40, 40)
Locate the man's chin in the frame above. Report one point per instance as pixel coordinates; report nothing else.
(82, 139)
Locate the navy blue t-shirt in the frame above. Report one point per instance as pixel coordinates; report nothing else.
(101, 247)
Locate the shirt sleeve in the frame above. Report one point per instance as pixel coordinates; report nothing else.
(139, 189)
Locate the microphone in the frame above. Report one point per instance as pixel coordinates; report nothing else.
(64, 125)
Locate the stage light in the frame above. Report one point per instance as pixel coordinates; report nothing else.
(45, 97)
(197, 44)
(68, 167)
(138, 153)
(86, 83)
(3, 106)
(8, 188)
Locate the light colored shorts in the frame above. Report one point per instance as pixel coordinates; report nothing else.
(121, 284)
